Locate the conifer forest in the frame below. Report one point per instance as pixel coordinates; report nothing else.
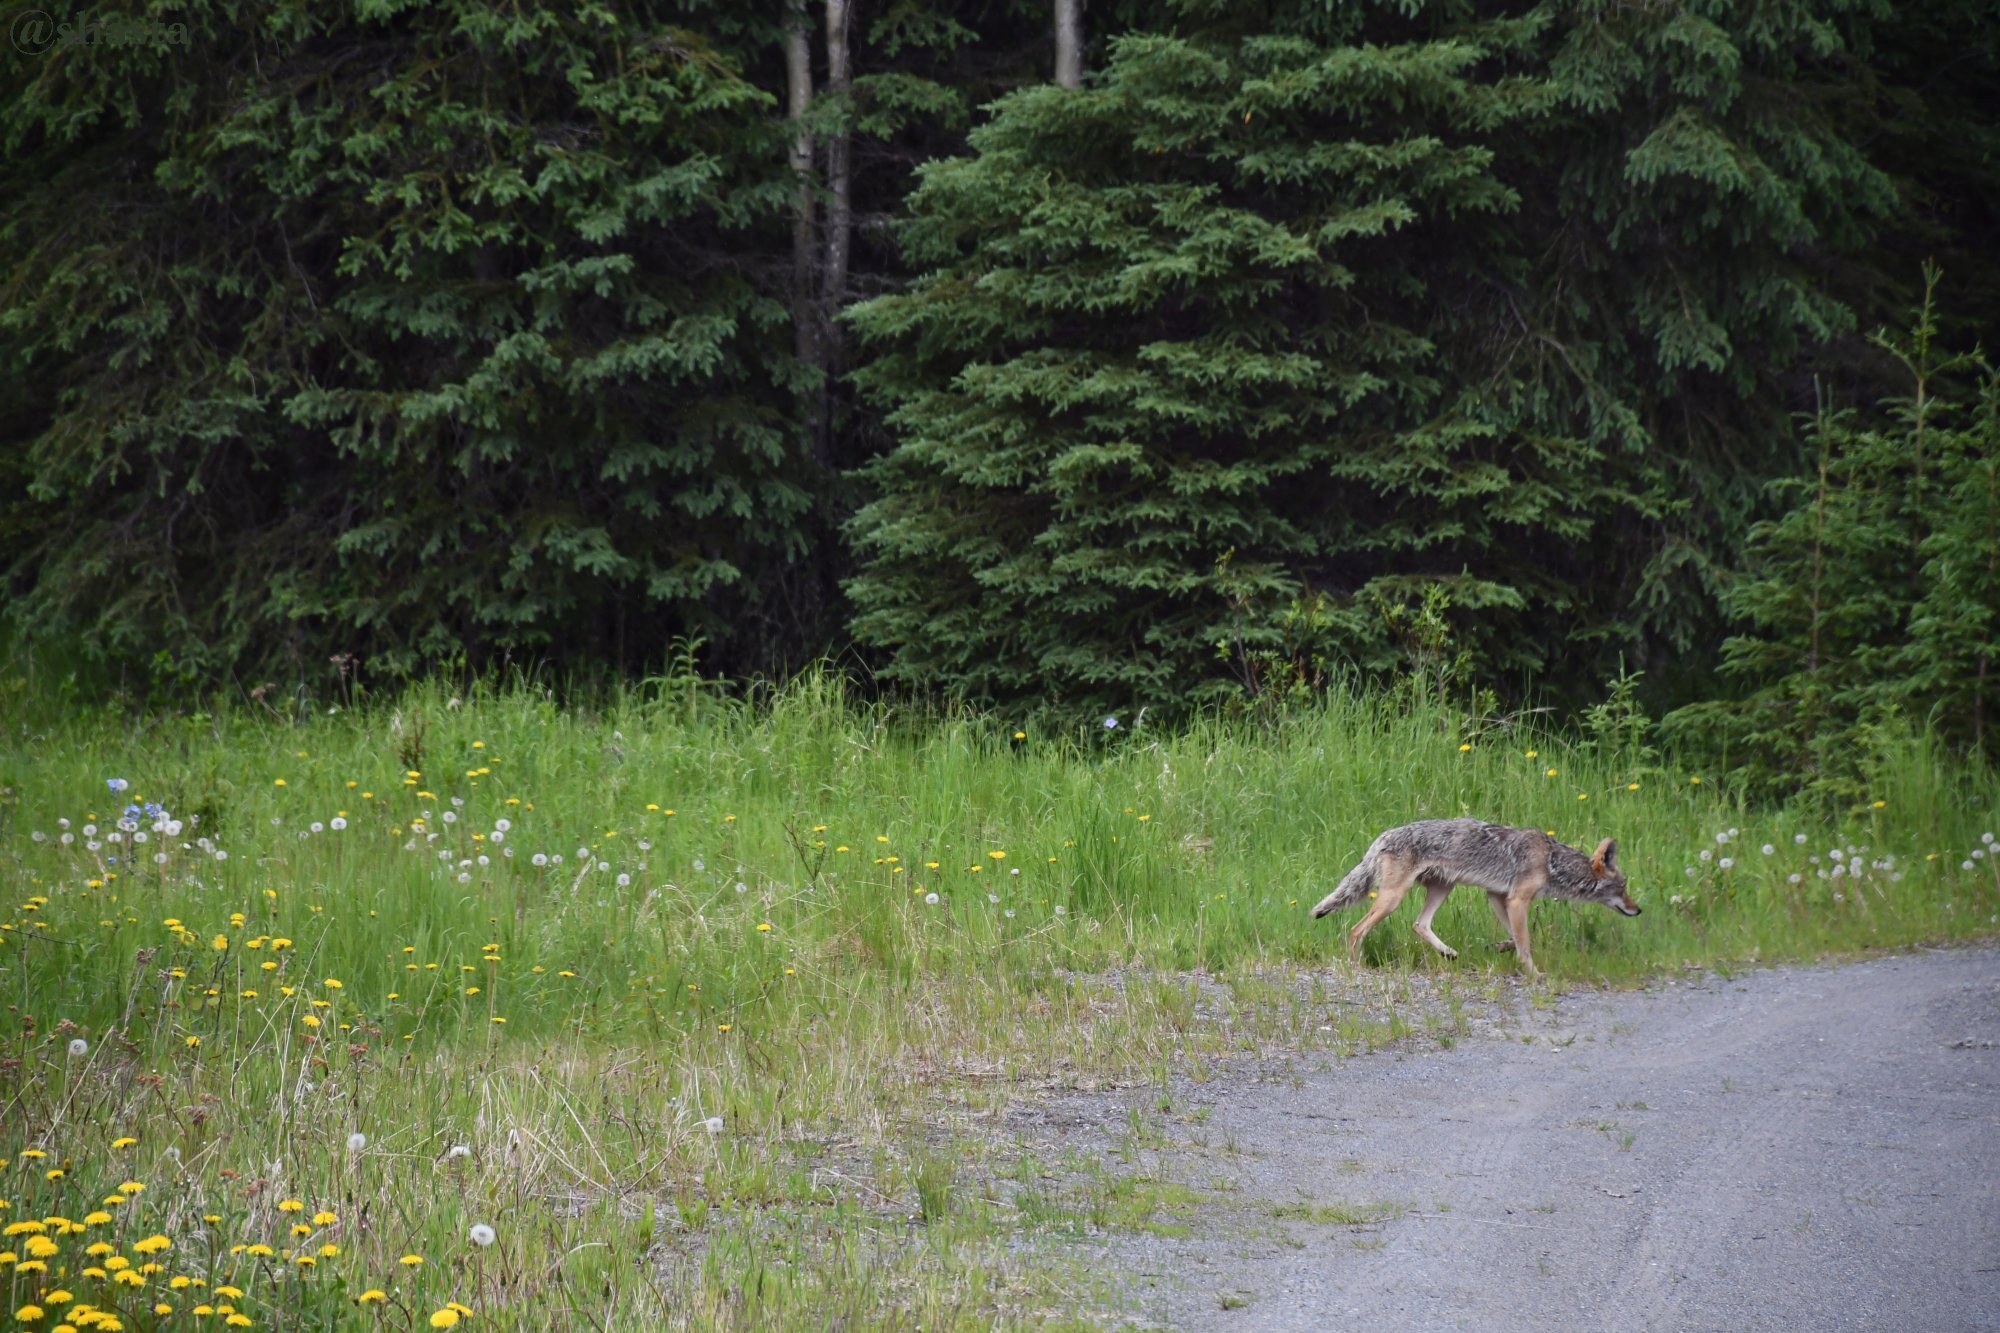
(1052, 356)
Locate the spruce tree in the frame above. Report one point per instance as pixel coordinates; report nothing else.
(1327, 307)
(424, 335)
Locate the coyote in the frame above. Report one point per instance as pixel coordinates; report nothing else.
(1513, 865)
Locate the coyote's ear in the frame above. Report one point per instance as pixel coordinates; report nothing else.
(1604, 861)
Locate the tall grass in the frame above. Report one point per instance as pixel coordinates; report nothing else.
(710, 993)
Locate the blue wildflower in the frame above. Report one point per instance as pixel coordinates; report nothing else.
(154, 810)
(1111, 724)
(116, 784)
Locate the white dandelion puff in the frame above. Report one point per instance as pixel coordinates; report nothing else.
(482, 1235)
(356, 1141)
(78, 1048)
(931, 898)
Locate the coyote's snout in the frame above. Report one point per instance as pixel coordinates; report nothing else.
(1514, 865)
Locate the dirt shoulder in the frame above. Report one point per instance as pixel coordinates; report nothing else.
(1809, 1147)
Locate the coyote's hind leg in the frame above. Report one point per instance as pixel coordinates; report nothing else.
(1435, 892)
(1392, 881)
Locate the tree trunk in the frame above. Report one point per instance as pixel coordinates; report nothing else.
(1069, 43)
(839, 158)
(799, 89)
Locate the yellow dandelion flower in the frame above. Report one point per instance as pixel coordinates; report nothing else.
(151, 1244)
(291, 1206)
(764, 926)
(1463, 748)
(997, 855)
(444, 1318)
(374, 1295)
(411, 1260)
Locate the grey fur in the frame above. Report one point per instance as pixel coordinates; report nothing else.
(1513, 865)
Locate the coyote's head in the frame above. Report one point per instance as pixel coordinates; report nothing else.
(1607, 882)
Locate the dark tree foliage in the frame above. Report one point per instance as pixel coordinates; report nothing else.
(1873, 600)
(1324, 305)
(1456, 338)
(421, 333)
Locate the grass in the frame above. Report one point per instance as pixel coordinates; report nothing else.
(716, 1014)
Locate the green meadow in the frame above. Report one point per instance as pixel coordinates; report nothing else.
(675, 1010)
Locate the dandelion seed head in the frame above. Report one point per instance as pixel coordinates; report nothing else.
(482, 1235)
(78, 1048)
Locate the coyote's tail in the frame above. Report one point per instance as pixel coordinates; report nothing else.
(1356, 883)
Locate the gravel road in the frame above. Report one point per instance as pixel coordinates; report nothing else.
(1797, 1148)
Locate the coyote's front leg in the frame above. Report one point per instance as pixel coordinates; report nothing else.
(1517, 926)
